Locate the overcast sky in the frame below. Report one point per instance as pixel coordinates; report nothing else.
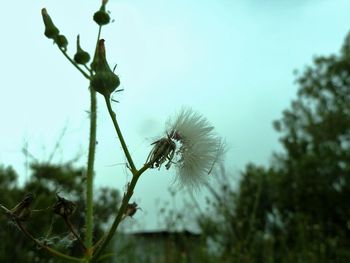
(232, 61)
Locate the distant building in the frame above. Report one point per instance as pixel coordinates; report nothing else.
(159, 247)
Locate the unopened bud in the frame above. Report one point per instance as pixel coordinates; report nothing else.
(61, 42)
(104, 80)
(81, 57)
(51, 31)
(101, 17)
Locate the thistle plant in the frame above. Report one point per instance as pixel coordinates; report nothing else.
(189, 144)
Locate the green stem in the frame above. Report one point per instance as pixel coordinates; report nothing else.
(90, 168)
(103, 242)
(120, 136)
(74, 64)
(98, 36)
(88, 69)
(107, 238)
(90, 171)
(47, 248)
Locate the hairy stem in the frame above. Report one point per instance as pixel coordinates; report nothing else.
(120, 136)
(90, 170)
(103, 242)
(101, 245)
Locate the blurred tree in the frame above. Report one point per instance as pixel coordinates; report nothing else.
(314, 182)
(45, 181)
(297, 210)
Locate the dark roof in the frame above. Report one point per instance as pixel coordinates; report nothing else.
(165, 233)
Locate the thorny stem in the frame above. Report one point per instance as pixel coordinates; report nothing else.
(90, 171)
(120, 136)
(101, 244)
(74, 64)
(75, 234)
(47, 248)
(90, 168)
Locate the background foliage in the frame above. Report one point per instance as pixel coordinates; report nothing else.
(297, 208)
(45, 181)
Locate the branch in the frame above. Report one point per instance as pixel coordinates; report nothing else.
(47, 248)
(120, 136)
(74, 64)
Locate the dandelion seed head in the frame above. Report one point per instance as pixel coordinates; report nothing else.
(191, 145)
(199, 149)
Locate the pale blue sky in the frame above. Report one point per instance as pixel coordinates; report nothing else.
(230, 60)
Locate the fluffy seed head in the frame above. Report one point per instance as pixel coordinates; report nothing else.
(192, 145)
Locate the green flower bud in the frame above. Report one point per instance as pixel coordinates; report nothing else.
(51, 31)
(104, 80)
(81, 57)
(61, 42)
(101, 17)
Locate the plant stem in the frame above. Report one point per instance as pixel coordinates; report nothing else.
(47, 248)
(90, 171)
(120, 136)
(103, 242)
(90, 168)
(74, 64)
(107, 238)
(88, 69)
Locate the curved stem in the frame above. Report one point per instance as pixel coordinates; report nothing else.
(103, 242)
(120, 136)
(74, 64)
(90, 170)
(47, 248)
(144, 168)
(107, 238)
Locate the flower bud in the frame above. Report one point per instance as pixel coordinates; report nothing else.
(101, 17)
(104, 80)
(51, 31)
(81, 57)
(61, 42)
